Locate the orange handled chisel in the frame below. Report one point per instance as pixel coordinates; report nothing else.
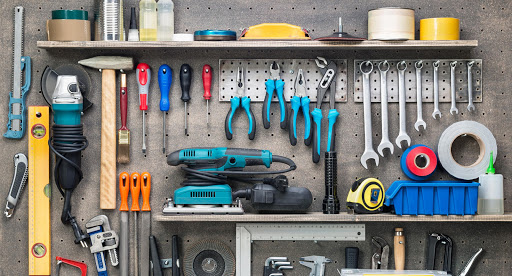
(135, 191)
(124, 189)
(145, 230)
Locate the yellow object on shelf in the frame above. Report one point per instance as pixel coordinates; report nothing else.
(445, 28)
(366, 196)
(275, 31)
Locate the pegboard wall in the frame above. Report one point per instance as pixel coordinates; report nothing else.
(488, 22)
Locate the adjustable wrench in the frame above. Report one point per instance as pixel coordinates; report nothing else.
(471, 107)
(453, 109)
(436, 90)
(402, 134)
(419, 100)
(368, 153)
(384, 142)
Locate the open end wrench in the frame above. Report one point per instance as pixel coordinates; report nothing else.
(436, 90)
(453, 109)
(368, 153)
(402, 134)
(419, 98)
(471, 106)
(384, 142)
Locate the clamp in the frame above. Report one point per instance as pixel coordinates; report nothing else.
(380, 258)
(274, 266)
(79, 265)
(316, 263)
(435, 239)
(102, 239)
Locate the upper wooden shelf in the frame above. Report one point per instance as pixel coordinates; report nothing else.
(320, 217)
(332, 45)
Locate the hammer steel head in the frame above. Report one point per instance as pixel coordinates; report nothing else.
(108, 62)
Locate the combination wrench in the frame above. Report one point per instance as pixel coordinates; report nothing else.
(419, 100)
(368, 153)
(436, 90)
(471, 106)
(402, 134)
(384, 142)
(453, 109)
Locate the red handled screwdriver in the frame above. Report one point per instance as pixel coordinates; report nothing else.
(207, 84)
(143, 80)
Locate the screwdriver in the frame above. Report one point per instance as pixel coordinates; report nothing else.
(124, 189)
(143, 80)
(207, 84)
(145, 230)
(135, 191)
(164, 82)
(185, 81)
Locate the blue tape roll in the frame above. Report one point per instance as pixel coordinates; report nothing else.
(406, 170)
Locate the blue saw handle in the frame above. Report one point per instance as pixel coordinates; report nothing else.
(164, 82)
(317, 119)
(304, 103)
(246, 105)
(26, 66)
(333, 115)
(282, 103)
(292, 126)
(235, 103)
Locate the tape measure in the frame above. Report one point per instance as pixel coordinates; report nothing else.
(366, 196)
(39, 191)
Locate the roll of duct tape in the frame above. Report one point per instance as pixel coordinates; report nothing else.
(68, 30)
(70, 14)
(445, 28)
(391, 24)
(485, 140)
(183, 37)
(413, 167)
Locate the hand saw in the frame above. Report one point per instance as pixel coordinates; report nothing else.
(17, 109)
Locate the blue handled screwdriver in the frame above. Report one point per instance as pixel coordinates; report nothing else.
(164, 82)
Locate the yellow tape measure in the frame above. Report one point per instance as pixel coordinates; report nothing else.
(39, 191)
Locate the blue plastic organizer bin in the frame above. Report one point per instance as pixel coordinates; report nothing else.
(433, 198)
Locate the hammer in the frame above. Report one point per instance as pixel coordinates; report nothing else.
(108, 66)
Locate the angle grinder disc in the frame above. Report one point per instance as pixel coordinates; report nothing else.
(209, 258)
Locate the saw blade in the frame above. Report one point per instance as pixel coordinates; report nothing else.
(16, 65)
(209, 258)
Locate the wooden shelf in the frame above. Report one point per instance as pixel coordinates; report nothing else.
(332, 45)
(320, 217)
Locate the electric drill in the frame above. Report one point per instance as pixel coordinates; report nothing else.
(67, 143)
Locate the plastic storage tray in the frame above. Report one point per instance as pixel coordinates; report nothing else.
(433, 198)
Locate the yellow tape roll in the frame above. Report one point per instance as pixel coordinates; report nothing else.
(444, 28)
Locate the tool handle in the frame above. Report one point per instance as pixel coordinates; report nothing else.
(18, 182)
(135, 190)
(331, 203)
(155, 257)
(351, 257)
(246, 105)
(123, 101)
(124, 190)
(143, 80)
(175, 257)
(207, 81)
(399, 243)
(270, 86)
(185, 81)
(307, 120)
(26, 65)
(333, 115)
(292, 125)
(145, 188)
(317, 120)
(108, 189)
(164, 82)
(235, 103)
(282, 103)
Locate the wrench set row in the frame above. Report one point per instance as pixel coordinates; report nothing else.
(366, 69)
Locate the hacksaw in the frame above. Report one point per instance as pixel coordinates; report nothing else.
(39, 191)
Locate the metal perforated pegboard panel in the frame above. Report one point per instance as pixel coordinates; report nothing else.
(488, 22)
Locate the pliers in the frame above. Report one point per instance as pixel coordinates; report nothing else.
(274, 83)
(380, 258)
(300, 100)
(328, 70)
(239, 99)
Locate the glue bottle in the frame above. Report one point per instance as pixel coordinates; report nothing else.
(490, 192)
(148, 20)
(165, 20)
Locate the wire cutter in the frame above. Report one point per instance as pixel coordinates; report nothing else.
(380, 258)
(300, 100)
(328, 70)
(274, 83)
(239, 99)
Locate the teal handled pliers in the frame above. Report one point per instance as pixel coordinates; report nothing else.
(274, 83)
(328, 70)
(300, 100)
(239, 99)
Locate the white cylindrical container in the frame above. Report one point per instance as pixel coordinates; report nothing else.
(165, 20)
(147, 20)
(490, 192)
(391, 24)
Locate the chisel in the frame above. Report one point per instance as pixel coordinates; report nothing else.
(164, 82)
(185, 81)
(145, 231)
(124, 189)
(143, 80)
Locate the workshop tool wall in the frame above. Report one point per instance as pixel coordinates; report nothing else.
(489, 22)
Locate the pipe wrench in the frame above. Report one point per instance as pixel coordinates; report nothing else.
(102, 239)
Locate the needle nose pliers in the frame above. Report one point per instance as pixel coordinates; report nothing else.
(239, 99)
(274, 83)
(300, 100)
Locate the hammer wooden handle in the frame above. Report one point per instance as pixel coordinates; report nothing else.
(108, 140)
(399, 242)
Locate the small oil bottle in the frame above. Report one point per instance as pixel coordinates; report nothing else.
(490, 192)
(147, 20)
(165, 20)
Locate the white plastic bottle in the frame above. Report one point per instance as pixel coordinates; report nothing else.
(165, 20)
(147, 20)
(490, 192)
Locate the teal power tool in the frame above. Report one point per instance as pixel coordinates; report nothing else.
(67, 143)
(300, 100)
(208, 170)
(274, 83)
(239, 99)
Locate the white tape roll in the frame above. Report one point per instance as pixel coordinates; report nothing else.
(485, 140)
(391, 24)
(183, 37)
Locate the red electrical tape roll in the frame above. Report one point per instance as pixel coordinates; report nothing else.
(427, 153)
